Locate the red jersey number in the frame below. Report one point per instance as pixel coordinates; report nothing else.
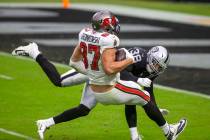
(90, 49)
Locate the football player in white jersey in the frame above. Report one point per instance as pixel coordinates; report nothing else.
(100, 77)
(97, 48)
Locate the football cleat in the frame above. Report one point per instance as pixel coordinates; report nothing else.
(164, 111)
(176, 129)
(29, 50)
(42, 127)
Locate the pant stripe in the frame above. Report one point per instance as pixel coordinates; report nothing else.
(134, 91)
(69, 75)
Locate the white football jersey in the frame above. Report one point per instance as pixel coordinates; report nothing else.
(92, 44)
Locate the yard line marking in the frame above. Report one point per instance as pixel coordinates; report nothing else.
(6, 77)
(16, 134)
(191, 93)
(198, 94)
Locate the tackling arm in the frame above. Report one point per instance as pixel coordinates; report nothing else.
(128, 76)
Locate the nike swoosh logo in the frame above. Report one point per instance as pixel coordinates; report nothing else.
(181, 126)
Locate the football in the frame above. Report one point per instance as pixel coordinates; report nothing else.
(120, 55)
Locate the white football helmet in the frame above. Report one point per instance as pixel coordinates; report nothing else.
(157, 59)
(105, 21)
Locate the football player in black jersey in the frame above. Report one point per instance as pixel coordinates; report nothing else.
(142, 72)
(149, 64)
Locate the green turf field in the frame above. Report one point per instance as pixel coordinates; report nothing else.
(30, 96)
(165, 5)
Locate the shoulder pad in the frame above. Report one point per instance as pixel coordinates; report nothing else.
(110, 41)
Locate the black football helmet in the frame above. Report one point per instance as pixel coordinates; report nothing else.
(105, 21)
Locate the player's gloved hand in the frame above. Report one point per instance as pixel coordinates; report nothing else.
(128, 55)
(145, 82)
(29, 50)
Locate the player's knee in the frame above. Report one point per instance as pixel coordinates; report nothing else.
(84, 111)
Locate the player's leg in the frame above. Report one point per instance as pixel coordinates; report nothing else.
(124, 92)
(131, 115)
(32, 51)
(87, 103)
(152, 99)
(154, 113)
(49, 69)
(131, 118)
(128, 92)
(67, 79)
(170, 131)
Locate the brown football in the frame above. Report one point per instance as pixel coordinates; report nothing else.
(120, 55)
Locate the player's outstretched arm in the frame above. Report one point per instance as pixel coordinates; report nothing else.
(128, 76)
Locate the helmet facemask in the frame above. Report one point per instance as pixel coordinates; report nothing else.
(105, 21)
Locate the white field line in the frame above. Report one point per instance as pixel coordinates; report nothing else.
(191, 93)
(181, 91)
(16, 134)
(6, 77)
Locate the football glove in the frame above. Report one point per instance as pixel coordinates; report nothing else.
(145, 82)
(128, 55)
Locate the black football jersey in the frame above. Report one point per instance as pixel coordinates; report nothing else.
(138, 69)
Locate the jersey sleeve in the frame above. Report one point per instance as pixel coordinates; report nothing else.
(110, 41)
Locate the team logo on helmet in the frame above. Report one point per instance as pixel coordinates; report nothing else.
(105, 21)
(158, 59)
